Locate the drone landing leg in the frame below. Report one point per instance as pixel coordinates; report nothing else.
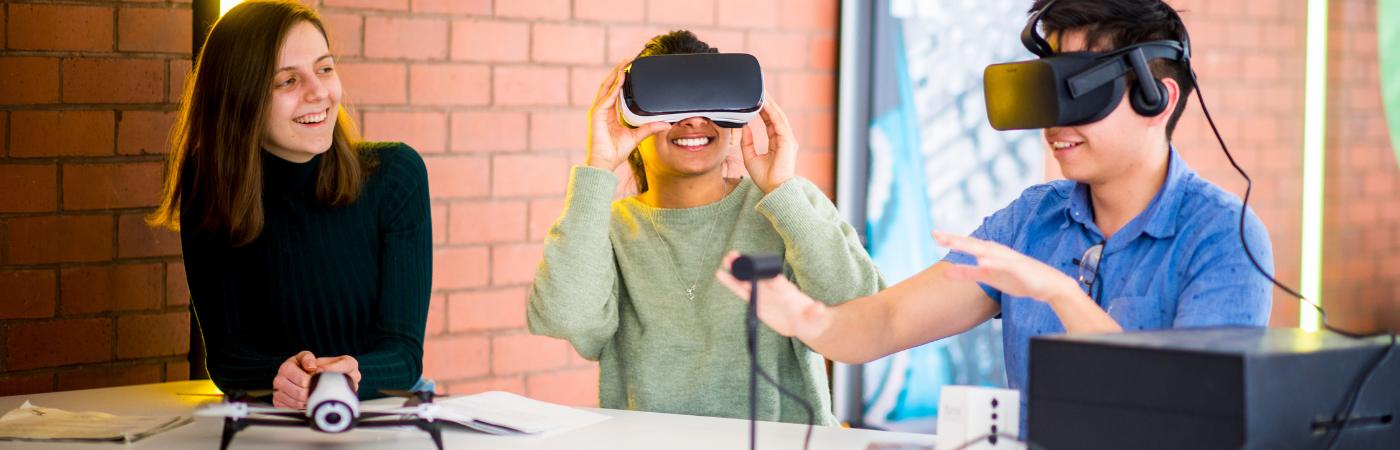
(231, 427)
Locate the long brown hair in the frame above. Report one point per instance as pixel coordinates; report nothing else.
(214, 179)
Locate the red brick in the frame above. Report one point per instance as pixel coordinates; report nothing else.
(33, 345)
(439, 214)
(4, 118)
(458, 177)
(475, 131)
(449, 84)
(756, 14)
(39, 382)
(29, 294)
(559, 130)
(2, 45)
(610, 11)
(374, 83)
(526, 175)
(60, 27)
(822, 52)
(455, 268)
(347, 33)
(177, 287)
(106, 186)
(28, 80)
(437, 315)
(177, 371)
(808, 14)
(111, 288)
(514, 384)
(779, 50)
(515, 263)
(535, 9)
(28, 187)
(486, 310)
(543, 214)
(368, 4)
(144, 132)
(113, 80)
(567, 44)
(574, 387)
(518, 86)
(490, 41)
(583, 85)
(681, 12)
(135, 239)
(821, 132)
(392, 37)
(62, 133)
(424, 131)
(819, 168)
(486, 222)
(84, 238)
(154, 30)
(453, 357)
(807, 90)
(479, 7)
(522, 353)
(626, 41)
(179, 72)
(148, 335)
(101, 377)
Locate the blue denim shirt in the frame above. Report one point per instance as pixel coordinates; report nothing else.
(1177, 264)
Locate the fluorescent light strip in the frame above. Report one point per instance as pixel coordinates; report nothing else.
(1314, 161)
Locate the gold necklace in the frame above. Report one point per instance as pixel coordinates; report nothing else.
(690, 289)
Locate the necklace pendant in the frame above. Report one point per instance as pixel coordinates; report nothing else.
(690, 293)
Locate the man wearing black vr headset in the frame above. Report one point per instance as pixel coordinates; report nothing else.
(1134, 239)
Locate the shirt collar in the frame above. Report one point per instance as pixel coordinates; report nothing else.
(1157, 220)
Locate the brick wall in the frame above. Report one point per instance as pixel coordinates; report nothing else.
(493, 94)
(1361, 247)
(91, 296)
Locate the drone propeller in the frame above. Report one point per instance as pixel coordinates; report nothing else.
(415, 398)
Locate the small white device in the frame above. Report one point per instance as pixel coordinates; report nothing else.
(986, 415)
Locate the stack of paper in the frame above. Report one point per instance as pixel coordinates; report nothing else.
(504, 413)
(34, 423)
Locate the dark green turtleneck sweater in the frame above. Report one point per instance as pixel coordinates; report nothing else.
(352, 280)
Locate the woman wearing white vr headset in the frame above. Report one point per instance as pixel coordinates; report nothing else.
(629, 282)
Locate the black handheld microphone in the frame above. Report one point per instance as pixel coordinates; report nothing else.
(756, 267)
(753, 268)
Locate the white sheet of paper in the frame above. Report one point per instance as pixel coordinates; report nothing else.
(29, 422)
(504, 411)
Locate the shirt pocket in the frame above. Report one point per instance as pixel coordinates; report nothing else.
(1139, 313)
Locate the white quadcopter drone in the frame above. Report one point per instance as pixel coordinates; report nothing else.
(332, 407)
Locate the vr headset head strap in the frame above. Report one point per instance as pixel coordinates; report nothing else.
(1030, 35)
(1119, 62)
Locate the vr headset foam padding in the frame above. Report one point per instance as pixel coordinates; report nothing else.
(726, 88)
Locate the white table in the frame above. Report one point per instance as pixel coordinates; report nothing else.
(626, 429)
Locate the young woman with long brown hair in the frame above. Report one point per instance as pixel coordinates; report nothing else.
(306, 250)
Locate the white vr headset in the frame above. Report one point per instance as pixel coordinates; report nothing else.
(726, 88)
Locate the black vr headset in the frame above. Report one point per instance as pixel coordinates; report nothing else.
(726, 88)
(1074, 88)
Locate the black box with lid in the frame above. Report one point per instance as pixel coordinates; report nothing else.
(1207, 388)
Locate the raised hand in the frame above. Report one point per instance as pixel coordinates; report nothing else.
(610, 140)
(1007, 270)
(771, 169)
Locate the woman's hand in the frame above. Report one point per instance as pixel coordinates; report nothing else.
(293, 379)
(610, 140)
(771, 169)
(345, 364)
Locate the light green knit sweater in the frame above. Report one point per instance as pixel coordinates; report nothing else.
(609, 285)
